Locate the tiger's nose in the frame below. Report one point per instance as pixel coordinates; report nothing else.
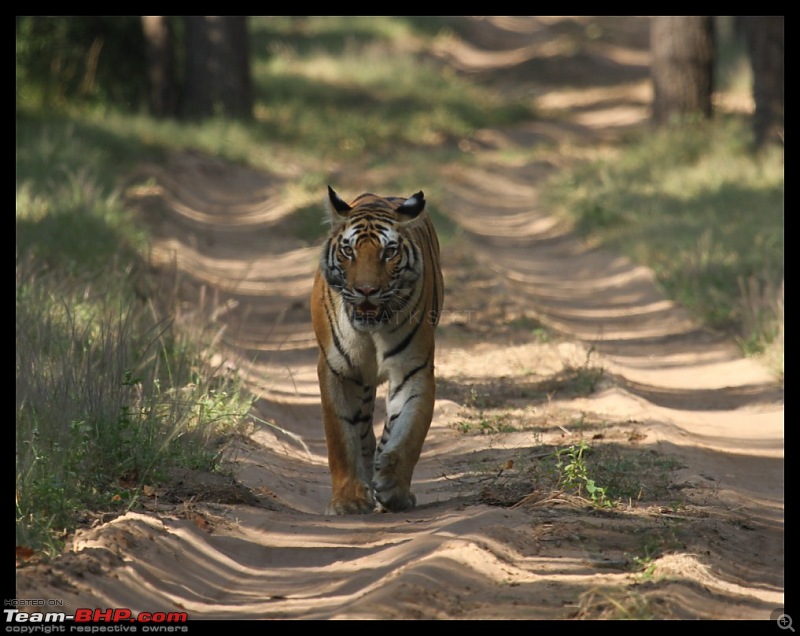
(366, 290)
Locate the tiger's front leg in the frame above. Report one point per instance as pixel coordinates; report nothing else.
(409, 410)
(347, 406)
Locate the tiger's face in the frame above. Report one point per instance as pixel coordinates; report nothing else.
(369, 260)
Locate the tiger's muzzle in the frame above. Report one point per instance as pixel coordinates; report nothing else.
(367, 310)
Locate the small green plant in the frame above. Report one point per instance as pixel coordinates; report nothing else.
(634, 475)
(645, 564)
(574, 474)
(538, 331)
(575, 379)
(645, 567)
(616, 603)
(658, 543)
(486, 424)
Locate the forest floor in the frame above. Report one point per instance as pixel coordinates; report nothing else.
(660, 402)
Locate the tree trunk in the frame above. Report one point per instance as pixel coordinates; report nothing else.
(765, 44)
(217, 67)
(237, 94)
(162, 93)
(683, 66)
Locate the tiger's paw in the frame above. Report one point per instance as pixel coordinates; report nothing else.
(355, 507)
(395, 501)
(357, 499)
(392, 490)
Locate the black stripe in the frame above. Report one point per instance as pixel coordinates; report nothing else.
(336, 341)
(435, 292)
(392, 418)
(387, 427)
(339, 374)
(413, 311)
(358, 418)
(413, 396)
(414, 254)
(408, 376)
(403, 343)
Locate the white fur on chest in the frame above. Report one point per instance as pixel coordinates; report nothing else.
(366, 349)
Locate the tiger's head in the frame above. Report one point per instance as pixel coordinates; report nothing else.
(370, 258)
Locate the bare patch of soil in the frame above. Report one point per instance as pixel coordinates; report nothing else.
(547, 347)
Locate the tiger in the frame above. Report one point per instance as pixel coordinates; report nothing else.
(376, 301)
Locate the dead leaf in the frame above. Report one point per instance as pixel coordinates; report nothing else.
(24, 555)
(24, 552)
(200, 522)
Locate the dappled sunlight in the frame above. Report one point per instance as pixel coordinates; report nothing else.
(286, 274)
(250, 574)
(545, 343)
(218, 198)
(603, 299)
(689, 566)
(540, 39)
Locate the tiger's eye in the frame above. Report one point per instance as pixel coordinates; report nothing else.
(347, 251)
(389, 252)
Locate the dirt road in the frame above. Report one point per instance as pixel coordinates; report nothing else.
(701, 535)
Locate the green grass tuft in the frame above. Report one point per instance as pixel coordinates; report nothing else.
(110, 394)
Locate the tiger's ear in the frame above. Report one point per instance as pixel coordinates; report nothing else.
(412, 207)
(337, 207)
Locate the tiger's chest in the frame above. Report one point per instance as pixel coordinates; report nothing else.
(380, 354)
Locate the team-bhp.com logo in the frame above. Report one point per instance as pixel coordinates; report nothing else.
(94, 620)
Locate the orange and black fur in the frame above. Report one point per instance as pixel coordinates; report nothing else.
(375, 305)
